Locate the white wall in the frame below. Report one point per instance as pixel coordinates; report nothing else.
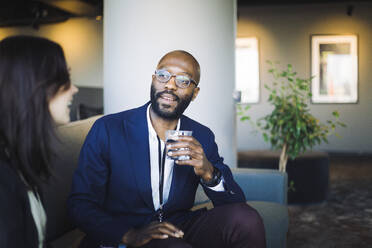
(284, 35)
(138, 33)
(81, 39)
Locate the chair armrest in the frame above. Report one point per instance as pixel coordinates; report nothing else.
(262, 184)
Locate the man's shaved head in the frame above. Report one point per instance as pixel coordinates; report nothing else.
(186, 58)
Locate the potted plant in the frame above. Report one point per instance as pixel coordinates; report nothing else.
(290, 127)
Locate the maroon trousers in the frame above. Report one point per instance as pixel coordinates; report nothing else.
(230, 226)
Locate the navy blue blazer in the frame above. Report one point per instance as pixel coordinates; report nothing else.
(111, 190)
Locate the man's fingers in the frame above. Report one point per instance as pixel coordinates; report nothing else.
(170, 226)
(173, 229)
(166, 228)
(176, 234)
(183, 144)
(155, 230)
(185, 140)
(191, 147)
(193, 154)
(159, 236)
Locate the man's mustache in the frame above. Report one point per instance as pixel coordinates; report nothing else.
(169, 93)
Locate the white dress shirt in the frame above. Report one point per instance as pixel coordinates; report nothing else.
(37, 211)
(168, 167)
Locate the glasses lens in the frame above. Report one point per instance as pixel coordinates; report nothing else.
(182, 81)
(162, 75)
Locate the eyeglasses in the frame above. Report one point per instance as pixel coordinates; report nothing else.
(182, 81)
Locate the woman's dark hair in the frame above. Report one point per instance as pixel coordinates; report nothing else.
(32, 71)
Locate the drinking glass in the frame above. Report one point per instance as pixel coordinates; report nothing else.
(171, 137)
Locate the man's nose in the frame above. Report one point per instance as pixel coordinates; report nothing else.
(171, 84)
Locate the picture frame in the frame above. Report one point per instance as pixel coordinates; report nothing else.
(247, 74)
(334, 67)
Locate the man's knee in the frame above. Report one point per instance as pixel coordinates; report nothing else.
(241, 212)
(242, 216)
(247, 224)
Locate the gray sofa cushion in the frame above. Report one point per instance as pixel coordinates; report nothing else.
(275, 218)
(56, 192)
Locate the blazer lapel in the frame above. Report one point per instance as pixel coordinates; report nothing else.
(138, 138)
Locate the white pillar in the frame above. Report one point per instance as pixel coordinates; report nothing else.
(137, 33)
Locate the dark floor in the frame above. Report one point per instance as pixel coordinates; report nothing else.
(345, 219)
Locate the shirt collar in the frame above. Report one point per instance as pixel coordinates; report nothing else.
(152, 132)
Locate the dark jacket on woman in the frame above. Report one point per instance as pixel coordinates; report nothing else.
(17, 226)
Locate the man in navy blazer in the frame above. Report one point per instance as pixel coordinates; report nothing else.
(127, 191)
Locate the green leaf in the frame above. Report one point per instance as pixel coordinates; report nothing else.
(342, 124)
(335, 114)
(291, 186)
(247, 107)
(245, 118)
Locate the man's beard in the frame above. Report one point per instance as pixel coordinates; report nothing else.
(177, 112)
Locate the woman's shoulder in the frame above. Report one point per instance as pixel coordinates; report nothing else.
(9, 180)
(12, 207)
(5, 169)
(13, 193)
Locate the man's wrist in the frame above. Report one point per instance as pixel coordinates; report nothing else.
(215, 180)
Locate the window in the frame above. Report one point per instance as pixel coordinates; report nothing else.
(247, 70)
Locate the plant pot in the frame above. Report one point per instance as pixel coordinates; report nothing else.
(310, 176)
(309, 173)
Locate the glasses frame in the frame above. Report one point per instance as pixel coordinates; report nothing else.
(174, 75)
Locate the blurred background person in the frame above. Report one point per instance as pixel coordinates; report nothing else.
(35, 95)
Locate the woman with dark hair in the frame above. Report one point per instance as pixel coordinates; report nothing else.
(35, 94)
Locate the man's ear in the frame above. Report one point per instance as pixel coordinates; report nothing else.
(196, 92)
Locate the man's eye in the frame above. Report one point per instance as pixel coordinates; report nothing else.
(182, 79)
(183, 82)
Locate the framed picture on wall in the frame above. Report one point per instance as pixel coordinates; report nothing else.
(247, 70)
(334, 65)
